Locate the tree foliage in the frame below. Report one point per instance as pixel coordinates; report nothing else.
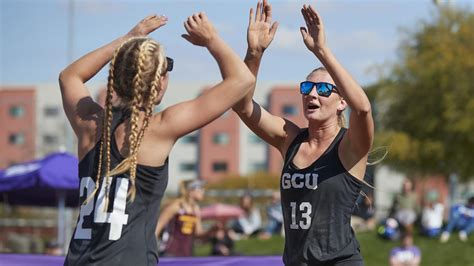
(425, 105)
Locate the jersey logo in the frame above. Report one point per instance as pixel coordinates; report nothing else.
(297, 180)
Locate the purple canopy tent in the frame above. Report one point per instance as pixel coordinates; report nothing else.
(51, 181)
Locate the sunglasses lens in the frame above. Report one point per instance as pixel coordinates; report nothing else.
(170, 63)
(324, 89)
(306, 87)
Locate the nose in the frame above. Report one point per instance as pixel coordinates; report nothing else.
(313, 93)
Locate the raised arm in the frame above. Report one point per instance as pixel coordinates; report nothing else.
(183, 118)
(273, 129)
(360, 134)
(80, 108)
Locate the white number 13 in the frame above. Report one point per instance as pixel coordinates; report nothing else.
(305, 208)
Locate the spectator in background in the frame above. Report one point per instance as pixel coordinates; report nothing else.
(251, 222)
(183, 220)
(53, 248)
(406, 206)
(432, 215)
(461, 217)
(406, 255)
(275, 217)
(363, 216)
(222, 240)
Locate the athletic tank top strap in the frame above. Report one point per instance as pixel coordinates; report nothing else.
(294, 146)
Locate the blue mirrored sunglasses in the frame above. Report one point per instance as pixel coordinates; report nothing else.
(322, 88)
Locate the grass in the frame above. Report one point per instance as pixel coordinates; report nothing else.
(374, 250)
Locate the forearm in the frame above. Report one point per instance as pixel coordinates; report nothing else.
(230, 65)
(349, 89)
(87, 66)
(245, 106)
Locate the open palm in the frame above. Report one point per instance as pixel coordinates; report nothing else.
(261, 31)
(313, 35)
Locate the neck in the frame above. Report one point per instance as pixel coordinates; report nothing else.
(319, 133)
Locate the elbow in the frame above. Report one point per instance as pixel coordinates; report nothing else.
(364, 110)
(248, 81)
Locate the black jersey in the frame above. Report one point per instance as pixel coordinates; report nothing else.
(317, 205)
(123, 232)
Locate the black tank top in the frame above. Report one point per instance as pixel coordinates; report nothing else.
(317, 205)
(123, 232)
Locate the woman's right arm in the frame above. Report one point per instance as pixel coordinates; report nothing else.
(275, 130)
(183, 118)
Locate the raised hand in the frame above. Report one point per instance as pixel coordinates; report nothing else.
(147, 25)
(260, 31)
(200, 30)
(313, 35)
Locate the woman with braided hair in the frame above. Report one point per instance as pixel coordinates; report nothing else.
(123, 148)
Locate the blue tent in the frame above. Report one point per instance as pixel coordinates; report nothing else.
(42, 182)
(51, 181)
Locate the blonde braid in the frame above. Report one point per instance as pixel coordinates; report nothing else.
(106, 122)
(154, 88)
(137, 101)
(147, 50)
(108, 104)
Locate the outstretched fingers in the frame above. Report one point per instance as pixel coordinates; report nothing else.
(314, 15)
(306, 16)
(267, 10)
(273, 29)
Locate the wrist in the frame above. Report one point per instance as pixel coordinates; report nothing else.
(254, 53)
(213, 42)
(321, 52)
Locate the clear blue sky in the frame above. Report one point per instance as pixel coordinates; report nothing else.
(363, 34)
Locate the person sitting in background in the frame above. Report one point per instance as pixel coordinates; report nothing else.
(461, 217)
(406, 206)
(251, 222)
(389, 229)
(222, 241)
(53, 248)
(432, 215)
(183, 219)
(275, 217)
(406, 255)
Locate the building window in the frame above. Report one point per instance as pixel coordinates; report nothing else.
(221, 138)
(290, 110)
(187, 167)
(17, 139)
(257, 167)
(219, 167)
(51, 111)
(17, 111)
(254, 139)
(50, 139)
(188, 139)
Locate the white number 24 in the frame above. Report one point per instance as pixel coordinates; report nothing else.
(117, 218)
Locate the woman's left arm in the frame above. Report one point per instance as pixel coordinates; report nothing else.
(361, 132)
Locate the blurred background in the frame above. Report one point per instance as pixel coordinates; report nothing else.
(415, 59)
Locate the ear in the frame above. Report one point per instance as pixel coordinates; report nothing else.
(342, 105)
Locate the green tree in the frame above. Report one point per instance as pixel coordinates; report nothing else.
(425, 106)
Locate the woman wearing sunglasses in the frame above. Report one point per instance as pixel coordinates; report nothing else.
(123, 147)
(324, 164)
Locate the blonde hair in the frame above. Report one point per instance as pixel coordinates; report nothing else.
(183, 189)
(134, 75)
(341, 118)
